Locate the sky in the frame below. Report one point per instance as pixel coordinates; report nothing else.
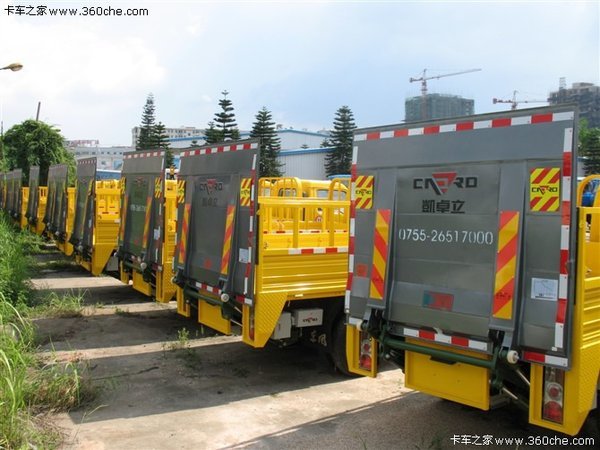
(302, 60)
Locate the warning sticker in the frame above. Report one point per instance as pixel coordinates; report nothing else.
(180, 191)
(544, 289)
(157, 187)
(363, 191)
(544, 189)
(245, 191)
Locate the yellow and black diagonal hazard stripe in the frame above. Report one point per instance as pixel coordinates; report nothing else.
(544, 189)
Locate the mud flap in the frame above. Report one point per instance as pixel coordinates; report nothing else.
(259, 322)
(357, 353)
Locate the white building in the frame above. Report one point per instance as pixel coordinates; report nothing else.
(172, 133)
(290, 139)
(109, 158)
(307, 163)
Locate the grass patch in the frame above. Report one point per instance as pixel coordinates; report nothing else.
(15, 264)
(58, 265)
(30, 387)
(54, 305)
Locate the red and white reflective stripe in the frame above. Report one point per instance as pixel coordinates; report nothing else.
(302, 232)
(136, 155)
(352, 230)
(316, 250)
(220, 149)
(242, 299)
(248, 271)
(442, 338)
(563, 279)
(466, 126)
(207, 288)
(540, 358)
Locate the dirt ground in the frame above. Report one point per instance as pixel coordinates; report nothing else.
(158, 390)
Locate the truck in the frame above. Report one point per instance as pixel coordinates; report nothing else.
(146, 243)
(60, 208)
(36, 204)
(273, 265)
(96, 219)
(15, 195)
(473, 265)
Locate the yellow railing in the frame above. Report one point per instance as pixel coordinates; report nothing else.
(305, 222)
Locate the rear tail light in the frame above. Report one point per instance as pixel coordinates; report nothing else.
(366, 352)
(554, 380)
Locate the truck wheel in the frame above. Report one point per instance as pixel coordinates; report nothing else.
(338, 350)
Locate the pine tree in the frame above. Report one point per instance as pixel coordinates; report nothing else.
(326, 143)
(225, 120)
(161, 141)
(340, 159)
(589, 147)
(270, 144)
(211, 134)
(146, 138)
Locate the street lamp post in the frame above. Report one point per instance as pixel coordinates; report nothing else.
(15, 67)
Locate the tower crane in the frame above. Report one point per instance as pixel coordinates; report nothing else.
(423, 79)
(514, 102)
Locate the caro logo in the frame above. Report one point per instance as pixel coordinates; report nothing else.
(544, 188)
(211, 185)
(440, 182)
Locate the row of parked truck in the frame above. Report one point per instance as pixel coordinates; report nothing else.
(460, 249)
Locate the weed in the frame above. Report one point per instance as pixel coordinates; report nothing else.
(29, 387)
(53, 305)
(123, 312)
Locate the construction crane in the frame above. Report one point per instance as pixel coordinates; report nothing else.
(514, 102)
(423, 79)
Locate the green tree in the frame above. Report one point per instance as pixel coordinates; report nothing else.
(326, 143)
(589, 147)
(270, 144)
(224, 126)
(33, 143)
(340, 159)
(147, 137)
(161, 141)
(211, 134)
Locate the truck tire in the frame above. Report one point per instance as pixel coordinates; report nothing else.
(338, 349)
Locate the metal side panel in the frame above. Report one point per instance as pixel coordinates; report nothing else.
(83, 219)
(9, 192)
(215, 230)
(59, 211)
(140, 172)
(481, 214)
(33, 202)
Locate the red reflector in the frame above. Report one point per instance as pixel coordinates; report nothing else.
(365, 362)
(553, 412)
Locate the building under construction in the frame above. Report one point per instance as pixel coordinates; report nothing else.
(586, 95)
(437, 106)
